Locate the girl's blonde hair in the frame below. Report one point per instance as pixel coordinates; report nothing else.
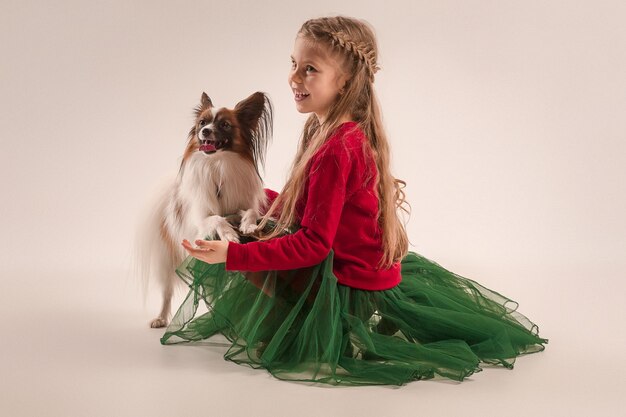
(353, 42)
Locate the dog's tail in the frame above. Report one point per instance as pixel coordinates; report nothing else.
(148, 246)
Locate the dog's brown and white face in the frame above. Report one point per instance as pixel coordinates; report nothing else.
(216, 130)
(244, 129)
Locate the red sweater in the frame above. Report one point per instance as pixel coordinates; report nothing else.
(337, 210)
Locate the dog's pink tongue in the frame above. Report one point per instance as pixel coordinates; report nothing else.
(207, 147)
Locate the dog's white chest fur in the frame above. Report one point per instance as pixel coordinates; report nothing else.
(220, 184)
(213, 185)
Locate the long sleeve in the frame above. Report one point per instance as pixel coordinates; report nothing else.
(309, 245)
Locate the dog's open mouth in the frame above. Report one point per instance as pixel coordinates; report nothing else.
(208, 146)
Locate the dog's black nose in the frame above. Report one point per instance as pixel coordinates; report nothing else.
(206, 132)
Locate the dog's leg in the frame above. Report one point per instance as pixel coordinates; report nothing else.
(166, 258)
(248, 221)
(167, 280)
(217, 226)
(161, 320)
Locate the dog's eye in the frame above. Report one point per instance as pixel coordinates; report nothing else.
(225, 125)
(202, 122)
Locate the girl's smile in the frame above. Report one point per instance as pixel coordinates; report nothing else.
(300, 96)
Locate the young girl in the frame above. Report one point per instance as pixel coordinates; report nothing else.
(329, 292)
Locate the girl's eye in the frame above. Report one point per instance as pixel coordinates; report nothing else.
(308, 68)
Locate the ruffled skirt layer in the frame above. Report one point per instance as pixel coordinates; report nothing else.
(302, 325)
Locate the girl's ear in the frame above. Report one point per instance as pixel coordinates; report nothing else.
(343, 82)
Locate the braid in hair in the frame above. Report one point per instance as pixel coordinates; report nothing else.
(363, 51)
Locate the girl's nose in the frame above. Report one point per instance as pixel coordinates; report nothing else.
(294, 78)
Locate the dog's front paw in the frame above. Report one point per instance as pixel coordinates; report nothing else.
(248, 228)
(217, 227)
(229, 234)
(248, 223)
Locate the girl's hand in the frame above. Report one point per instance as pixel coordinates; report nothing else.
(209, 251)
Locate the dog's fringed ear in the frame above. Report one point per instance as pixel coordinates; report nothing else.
(205, 101)
(250, 110)
(255, 115)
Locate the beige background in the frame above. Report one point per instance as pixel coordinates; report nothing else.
(506, 120)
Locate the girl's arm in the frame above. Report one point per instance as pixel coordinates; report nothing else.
(310, 244)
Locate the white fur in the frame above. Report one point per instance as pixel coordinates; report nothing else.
(189, 208)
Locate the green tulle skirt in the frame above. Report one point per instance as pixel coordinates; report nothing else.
(302, 325)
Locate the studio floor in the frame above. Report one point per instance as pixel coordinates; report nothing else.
(78, 344)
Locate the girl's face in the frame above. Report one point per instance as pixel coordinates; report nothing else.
(315, 78)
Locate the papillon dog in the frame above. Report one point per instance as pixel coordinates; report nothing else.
(218, 177)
